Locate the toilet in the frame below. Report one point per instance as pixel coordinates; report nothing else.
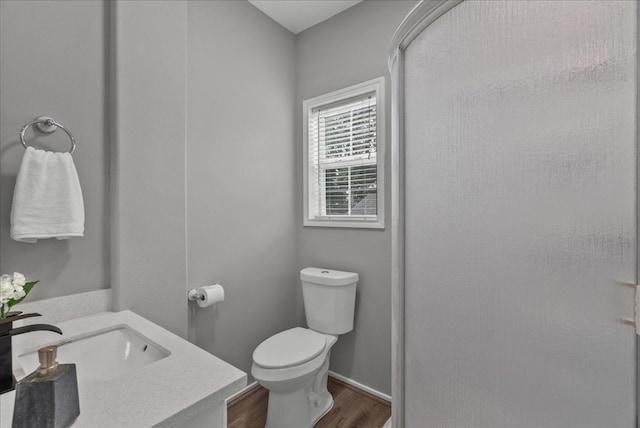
(294, 364)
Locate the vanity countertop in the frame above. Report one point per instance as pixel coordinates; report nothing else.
(167, 392)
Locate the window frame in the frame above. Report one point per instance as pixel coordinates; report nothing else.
(376, 86)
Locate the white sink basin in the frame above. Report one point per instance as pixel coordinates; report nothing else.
(101, 355)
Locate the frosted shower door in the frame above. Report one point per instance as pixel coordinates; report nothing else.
(520, 151)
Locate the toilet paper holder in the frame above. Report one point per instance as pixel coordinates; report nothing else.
(194, 295)
(207, 295)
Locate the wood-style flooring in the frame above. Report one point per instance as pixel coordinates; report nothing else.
(352, 408)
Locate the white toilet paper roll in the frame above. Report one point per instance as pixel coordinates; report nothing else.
(212, 294)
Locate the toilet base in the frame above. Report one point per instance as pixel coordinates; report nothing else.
(301, 408)
(300, 412)
(297, 409)
(324, 407)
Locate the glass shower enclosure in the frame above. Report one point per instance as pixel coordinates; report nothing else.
(514, 214)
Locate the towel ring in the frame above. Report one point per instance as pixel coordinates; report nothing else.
(47, 125)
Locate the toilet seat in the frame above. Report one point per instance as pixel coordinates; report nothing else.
(289, 348)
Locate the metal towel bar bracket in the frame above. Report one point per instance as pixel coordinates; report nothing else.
(47, 125)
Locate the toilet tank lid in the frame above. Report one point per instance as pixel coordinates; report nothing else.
(328, 277)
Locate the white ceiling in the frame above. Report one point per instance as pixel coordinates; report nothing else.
(298, 15)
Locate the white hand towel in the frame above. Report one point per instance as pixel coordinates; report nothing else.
(47, 199)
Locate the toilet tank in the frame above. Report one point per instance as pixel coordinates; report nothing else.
(329, 299)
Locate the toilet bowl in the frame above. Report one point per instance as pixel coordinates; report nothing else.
(294, 364)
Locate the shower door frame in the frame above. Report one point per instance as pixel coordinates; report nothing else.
(419, 18)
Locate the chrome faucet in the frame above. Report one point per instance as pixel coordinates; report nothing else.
(7, 380)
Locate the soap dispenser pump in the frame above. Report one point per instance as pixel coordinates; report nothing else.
(48, 397)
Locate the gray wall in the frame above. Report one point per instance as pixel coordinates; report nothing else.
(240, 176)
(53, 60)
(347, 49)
(148, 160)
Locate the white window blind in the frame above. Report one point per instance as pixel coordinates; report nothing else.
(342, 160)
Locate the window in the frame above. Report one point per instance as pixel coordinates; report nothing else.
(344, 157)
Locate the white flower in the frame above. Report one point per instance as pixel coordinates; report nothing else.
(11, 291)
(6, 289)
(11, 287)
(18, 279)
(18, 292)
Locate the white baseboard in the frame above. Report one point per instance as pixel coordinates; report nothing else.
(242, 391)
(360, 386)
(341, 378)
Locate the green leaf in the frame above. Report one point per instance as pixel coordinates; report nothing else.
(27, 288)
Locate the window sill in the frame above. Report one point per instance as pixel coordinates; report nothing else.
(353, 224)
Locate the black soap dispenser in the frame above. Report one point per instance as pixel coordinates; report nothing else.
(48, 397)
